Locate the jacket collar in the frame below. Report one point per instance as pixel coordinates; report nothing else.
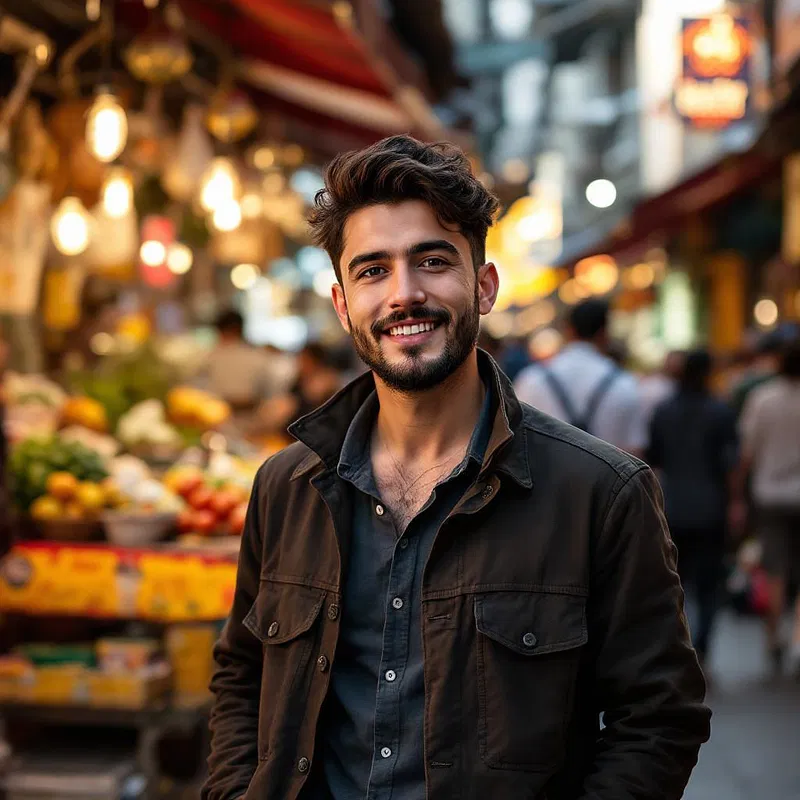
(324, 430)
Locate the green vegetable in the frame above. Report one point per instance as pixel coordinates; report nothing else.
(34, 460)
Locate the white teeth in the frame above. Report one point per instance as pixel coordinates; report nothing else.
(410, 330)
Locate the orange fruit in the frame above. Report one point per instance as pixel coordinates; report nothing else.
(62, 485)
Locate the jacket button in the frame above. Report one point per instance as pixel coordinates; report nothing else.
(273, 630)
(487, 492)
(302, 765)
(322, 663)
(333, 612)
(529, 640)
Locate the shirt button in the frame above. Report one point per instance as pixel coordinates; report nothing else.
(302, 765)
(379, 510)
(397, 603)
(333, 612)
(385, 752)
(322, 663)
(390, 675)
(529, 640)
(272, 631)
(403, 544)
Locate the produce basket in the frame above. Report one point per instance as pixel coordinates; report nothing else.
(69, 530)
(138, 528)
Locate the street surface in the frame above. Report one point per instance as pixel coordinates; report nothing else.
(754, 752)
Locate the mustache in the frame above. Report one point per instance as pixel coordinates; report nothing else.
(438, 315)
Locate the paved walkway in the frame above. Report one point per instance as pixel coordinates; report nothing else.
(754, 752)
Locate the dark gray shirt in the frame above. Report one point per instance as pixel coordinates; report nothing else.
(372, 732)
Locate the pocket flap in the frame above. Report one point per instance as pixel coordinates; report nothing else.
(532, 623)
(282, 612)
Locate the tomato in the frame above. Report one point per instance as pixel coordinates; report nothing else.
(223, 502)
(200, 498)
(186, 485)
(186, 521)
(204, 522)
(236, 520)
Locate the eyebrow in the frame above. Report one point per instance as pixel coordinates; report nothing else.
(414, 250)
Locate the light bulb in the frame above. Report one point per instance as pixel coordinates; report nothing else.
(118, 193)
(106, 127)
(179, 258)
(243, 276)
(252, 206)
(766, 312)
(152, 253)
(69, 227)
(228, 216)
(601, 193)
(219, 185)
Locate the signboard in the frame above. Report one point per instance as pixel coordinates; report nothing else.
(162, 584)
(713, 89)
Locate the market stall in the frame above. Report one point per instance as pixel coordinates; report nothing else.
(157, 161)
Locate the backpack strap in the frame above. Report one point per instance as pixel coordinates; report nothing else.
(582, 421)
(599, 393)
(557, 388)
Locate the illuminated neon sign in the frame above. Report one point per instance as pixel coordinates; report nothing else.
(713, 90)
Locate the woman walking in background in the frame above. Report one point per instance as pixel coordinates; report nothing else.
(693, 443)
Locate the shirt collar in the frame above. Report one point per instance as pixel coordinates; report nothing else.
(354, 461)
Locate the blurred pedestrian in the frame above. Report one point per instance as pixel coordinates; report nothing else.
(770, 429)
(762, 368)
(693, 444)
(583, 386)
(660, 385)
(235, 370)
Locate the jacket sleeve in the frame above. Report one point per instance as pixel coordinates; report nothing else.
(648, 683)
(237, 681)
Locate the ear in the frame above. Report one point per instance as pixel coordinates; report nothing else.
(488, 286)
(340, 305)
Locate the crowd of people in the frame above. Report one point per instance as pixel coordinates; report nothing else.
(727, 452)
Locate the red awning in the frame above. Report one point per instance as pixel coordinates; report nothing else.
(655, 219)
(316, 65)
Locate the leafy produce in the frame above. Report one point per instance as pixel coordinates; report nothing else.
(37, 465)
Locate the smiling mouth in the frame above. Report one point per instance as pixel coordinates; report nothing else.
(411, 329)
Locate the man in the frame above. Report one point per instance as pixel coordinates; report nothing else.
(440, 589)
(241, 374)
(694, 446)
(770, 430)
(583, 386)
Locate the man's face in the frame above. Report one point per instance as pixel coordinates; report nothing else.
(410, 296)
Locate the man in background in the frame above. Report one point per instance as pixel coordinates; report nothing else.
(583, 386)
(694, 448)
(770, 430)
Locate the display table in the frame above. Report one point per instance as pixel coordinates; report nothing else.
(160, 584)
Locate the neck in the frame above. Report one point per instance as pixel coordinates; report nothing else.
(430, 425)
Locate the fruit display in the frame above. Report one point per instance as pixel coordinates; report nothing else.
(213, 506)
(61, 478)
(33, 406)
(195, 408)
(86, 412)
(146, 426)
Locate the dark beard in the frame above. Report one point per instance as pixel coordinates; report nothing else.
(419, 374)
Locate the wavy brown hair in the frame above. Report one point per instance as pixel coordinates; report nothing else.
(396, 169)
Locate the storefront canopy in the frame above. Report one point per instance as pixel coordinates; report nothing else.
(655, 219)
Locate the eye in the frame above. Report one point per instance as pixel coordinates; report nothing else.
(433, 262)
(372, 272)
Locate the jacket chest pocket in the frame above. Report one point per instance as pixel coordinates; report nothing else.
(284, 618)
(529, 649)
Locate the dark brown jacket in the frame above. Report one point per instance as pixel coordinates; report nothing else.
(550, 597)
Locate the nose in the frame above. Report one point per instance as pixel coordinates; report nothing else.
(406, 288)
